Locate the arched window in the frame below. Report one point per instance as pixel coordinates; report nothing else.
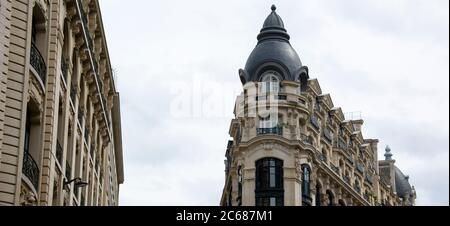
(240, 179)
(306, 181)
(330, 197)
(318, 195)
(269, 182)
(270, 82)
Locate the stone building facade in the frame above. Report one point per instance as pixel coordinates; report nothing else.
(60, 129)
(291, 146)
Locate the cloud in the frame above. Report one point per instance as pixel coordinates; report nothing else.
(387, 59)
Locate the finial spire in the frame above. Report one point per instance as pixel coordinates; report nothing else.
(388, 154)
(273, 8)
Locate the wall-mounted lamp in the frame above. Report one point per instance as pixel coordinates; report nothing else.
(78, 183)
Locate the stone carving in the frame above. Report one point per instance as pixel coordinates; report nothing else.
(27, 197)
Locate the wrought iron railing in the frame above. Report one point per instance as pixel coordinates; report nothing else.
(334, 168)
(341, 144)
(89, 42)
(349, 159)
(281, 97)
(59, 152)
(328, 135)
(360, 168)
(322, 157)
(369, 179)
(31, 169)
(306, 139)
(346, 179)
(38, 63)
(275, 130)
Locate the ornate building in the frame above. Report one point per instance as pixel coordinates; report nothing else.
(60, 129)
(291, 146)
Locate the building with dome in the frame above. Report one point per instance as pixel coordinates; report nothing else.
(291, 146)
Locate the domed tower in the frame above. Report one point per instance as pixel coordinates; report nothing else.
(273, 55)
(291, 146)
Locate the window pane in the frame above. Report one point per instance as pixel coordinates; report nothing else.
(273, 201)
(272, 177)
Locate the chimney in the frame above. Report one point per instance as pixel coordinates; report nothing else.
(357, 124)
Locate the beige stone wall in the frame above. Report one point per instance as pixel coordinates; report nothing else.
(73, 112)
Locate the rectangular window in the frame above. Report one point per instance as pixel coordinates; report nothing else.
(272, 182)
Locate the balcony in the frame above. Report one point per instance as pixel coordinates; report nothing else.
(38, 63)
(275, 130)
(360, 168)
(334, 168)
(369, 179)
(350, 159)
(30, 169)
(341, 144)
(328, 135)
(266, 97)
(315, 122)
(346, 179)
(59, 152)
(306, 139)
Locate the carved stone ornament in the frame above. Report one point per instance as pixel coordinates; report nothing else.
(27, 197)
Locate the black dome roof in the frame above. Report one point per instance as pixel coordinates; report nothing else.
(273, 50)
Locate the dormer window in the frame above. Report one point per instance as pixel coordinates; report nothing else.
(270, 82)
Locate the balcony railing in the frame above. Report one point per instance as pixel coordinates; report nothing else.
(334, 168)
(369, 179)
(38, 63)
(322, 158)
(341, 144)
(328, 135)
(346, 179)
(306, 139)
(59, 152)
(315, 122)
(357, 188)
(349, 159)
(30, 169)
(360, 168)
(276, 97)
(275, 130)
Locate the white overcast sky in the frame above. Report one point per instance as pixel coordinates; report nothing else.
(177, 67)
